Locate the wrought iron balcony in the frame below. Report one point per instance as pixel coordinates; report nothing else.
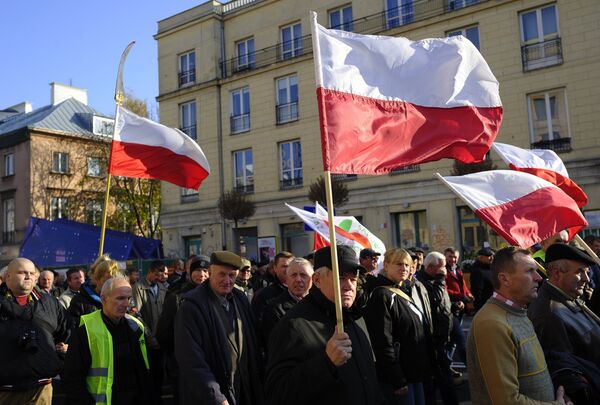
(542, 54)
(245, 188)
(239, 123)
(405, 170)
(287, 112)
(290, 183)
(187, 77)
(557, 145)
(343, 177)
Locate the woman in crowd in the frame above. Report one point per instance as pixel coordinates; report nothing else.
(396, 329)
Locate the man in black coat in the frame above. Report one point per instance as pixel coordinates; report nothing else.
(312, 363)
(481, 277)
(216, 345)
(433, 276)
(280, 264)
(33, 329)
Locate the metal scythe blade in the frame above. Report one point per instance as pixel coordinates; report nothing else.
(119, 91)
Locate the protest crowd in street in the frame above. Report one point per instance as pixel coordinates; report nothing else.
(223, 330)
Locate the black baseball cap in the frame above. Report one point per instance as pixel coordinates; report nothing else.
(368, 253)
(560, 251)
(485, 252)
(347, 262)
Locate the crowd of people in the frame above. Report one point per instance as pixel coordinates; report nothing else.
(221, 330)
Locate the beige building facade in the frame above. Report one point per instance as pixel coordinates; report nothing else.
(239, 77)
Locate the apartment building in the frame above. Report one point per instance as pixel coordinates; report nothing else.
(239, 78)
(54, 163)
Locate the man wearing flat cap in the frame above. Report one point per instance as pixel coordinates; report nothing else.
(216, 345)
(562, 321)
(310, 362)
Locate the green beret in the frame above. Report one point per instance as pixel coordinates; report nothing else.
(225, 258)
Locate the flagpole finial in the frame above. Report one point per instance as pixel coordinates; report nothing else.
(119, 90)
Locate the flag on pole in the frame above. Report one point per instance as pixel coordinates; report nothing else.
(543, 163)
(520, 207)
(387, 102)
(145, 149)
(348, 231)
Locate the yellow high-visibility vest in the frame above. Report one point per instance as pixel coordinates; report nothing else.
(100, 376)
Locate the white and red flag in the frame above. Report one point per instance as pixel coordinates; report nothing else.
(522, 208)
(543, 163)
(387, 102)
(348, 231)
(145, 149)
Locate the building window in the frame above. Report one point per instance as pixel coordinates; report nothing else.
(245, 54)
(291, 41)
(93, 212)
(458, 4)
(412, 230)
(475, 233)
(94, 167)
(240, 110)
(60, 162)
(8, 207)
(189, 195)
(295, 239)
(540, 41)
(549, 120)
(399, 12)
(187, 68)
(287, 99)
(243, 171)
(9, 164)
(290, 154)
(341, 19)
(103, 126)
(59, 208)
(187, 118)
(471, 33)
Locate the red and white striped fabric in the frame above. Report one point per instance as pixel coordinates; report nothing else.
(522, 208)
(387, 102)
(543, 163)
(145, 149)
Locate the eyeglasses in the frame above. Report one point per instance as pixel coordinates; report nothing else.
(245, 270)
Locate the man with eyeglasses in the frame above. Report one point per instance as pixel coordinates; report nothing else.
(368, 259)
(242, 282)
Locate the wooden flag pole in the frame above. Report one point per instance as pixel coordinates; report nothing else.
(334, 259)
(587, 249)
(119, 98)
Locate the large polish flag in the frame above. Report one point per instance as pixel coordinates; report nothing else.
(145, 149)
(524, 209)
(543, 163)
(387, 102)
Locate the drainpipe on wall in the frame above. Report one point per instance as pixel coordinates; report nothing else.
(221, 66)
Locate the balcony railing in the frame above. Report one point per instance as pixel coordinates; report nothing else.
(371, 24)
(557, 145)
(245, 188)
(287, 112)
(239, 123)
(187, 77)
(406, 169)
(542, 54)
(343, 177)
(189, 131)
(290, 183)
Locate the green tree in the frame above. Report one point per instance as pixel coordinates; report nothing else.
(236, 206)
(316, 192)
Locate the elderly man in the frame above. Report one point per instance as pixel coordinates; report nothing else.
(107, 361)
(540, 255)
(562, 321)
(310, 362)
(506, 362)
(433, 277)
(33, 329)
(46, 283)
(215, 341)
(299, 280)
(75, 278)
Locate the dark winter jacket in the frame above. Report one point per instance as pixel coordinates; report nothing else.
(206, 354)
(86, 302)
(165, 329)
(441, 310)
(28, 335)
(481, 283)
(275, 310)
(259, 302)
(299, 372)
(400, 343)
(131, 379)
